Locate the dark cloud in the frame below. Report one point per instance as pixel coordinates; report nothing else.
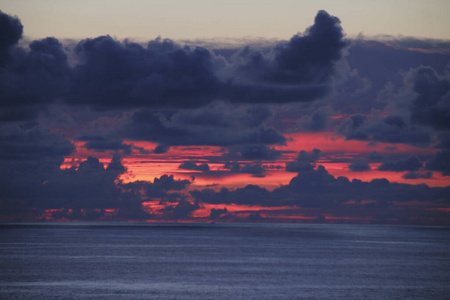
(295, 71)
(381, 60)
(432, 105)
(390, 148)
(12, 114)
(175, 129)
(212, 197)
(317, 188)
(122, 75)
(258, 152)
(353, 127)
(42, 185)
(152, 126)
(33, 181)
(101, 144)
(305, 188)
(90, 186)
(269, 93)
(249, 195)
(31, 142)
(309, 157)
(167, 183)
(317, 121)
(391, 129)
(310, 58)
(440, 162)
(375, 156)
(217, 213)
(190, 165)
(255, 169)
(372, 75)
(163, 74)
(414, 175)
(10, 33)
(33, 78)
(110, 74)
(234, 167)
(182, 210)
(116, 165)
(158, 188)
(354, 93)
(29, 157)
(411, 163)
(307, 58)
(444, 140)
(160, 149)
(359, 166)
(305, 161)
(223, 115)
(117, 92)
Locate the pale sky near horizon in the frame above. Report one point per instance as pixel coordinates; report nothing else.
(144, 20)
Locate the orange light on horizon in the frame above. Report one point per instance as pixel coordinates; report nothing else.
(145, 165)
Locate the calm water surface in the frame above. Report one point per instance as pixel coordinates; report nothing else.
(223, 261)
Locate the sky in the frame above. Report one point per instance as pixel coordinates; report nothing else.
(227, 111)
(200, 19)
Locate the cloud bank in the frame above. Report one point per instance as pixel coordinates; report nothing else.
(72, 115)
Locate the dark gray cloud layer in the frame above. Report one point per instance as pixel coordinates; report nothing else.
(190, 165)
(110, 74)
(391, 129)
(359, 166)
(242, 127)
(30, 142)
(115, 74)
(406, 164)
(83, 191)
(31, 79)
(394, 92)
(317, 188)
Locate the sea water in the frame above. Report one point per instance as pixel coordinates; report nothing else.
(223, 261)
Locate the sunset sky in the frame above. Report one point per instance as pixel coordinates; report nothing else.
(262, 111)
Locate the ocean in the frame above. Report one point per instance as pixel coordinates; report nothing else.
(223, 261)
